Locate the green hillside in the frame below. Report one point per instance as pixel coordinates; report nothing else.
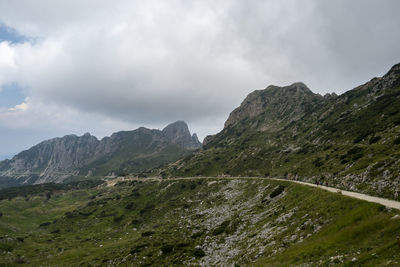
(209, 222)
(351, 141)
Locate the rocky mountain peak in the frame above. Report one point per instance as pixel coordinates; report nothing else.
(277, 102)
(298, 88)
(195, 138)
(178, 133)
(176, 128)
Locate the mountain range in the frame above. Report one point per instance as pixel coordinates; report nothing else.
(351, 141)
(59, 159)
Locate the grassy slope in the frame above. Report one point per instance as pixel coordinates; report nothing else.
(206, 221)
(355, 142)
(136, 157)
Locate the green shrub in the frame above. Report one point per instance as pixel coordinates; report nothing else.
(277, 191)
(354, 150)
(193, 186)
(182, 245)
(221, 228)
(198, 252)
(44, 224)
(138, 248)
(374, 139)
(147, 208)
(5, 247)
(118, 219)
(136, 222)
(197, 234)
(167, 249)
(19, 261)
(147, 233)
(318, 162)
(129, 206)
(397, 141)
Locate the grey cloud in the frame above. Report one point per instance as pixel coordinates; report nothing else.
(154, 62)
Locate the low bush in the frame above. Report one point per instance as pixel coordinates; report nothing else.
(277, 191)
(147, 233)
(167, 249)
(44, 224)
(129, 206)
(374, 139)
(221, 228)
(118, 219)
(198, 252)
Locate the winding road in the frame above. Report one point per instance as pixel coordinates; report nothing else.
(383, 201)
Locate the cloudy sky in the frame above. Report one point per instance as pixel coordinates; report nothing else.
(102, 66)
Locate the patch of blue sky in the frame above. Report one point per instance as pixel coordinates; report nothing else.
(10, 35)
(11, 95)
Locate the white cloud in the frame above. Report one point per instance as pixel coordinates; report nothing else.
(20, 107)
(7, 63)
(34, 114)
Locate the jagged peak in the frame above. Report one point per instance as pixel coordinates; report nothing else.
(330, 95)
(178, 133)
(178, 125)
(195, 138)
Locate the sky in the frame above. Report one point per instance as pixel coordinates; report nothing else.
(103, 66)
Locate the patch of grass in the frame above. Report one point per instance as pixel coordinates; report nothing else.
(174, 230)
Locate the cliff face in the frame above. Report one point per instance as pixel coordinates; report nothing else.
(277, 104)
(178, 133)
(129, 151)
(350, 141)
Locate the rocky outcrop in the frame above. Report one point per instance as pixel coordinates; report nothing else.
(56, 159)
(208, 139)
(178, 133)
(276, 103)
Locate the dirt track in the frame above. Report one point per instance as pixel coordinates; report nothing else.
(383, 201)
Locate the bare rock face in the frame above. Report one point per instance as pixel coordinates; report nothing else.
(52, 159)
(277, 103)
(208, 139)
(56, 159)
(178, 133)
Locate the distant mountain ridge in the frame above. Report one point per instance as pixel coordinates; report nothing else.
(123, 152)
(350, 141)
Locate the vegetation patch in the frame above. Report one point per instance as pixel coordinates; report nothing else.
(277, 191)
(210, 225)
